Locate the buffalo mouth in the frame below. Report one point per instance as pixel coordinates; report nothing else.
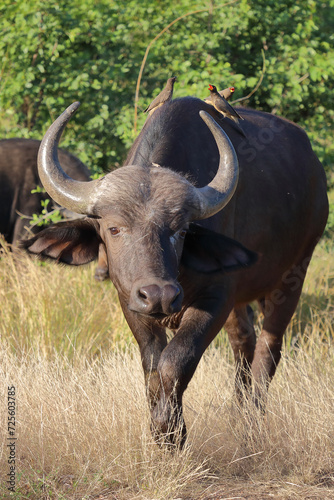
(171, 321)
(158, 315)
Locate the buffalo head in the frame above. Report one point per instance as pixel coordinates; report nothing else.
(140, 214)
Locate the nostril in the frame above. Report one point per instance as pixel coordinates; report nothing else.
(177, 293)
(142, 294)
(150, 294)
(174, 295)
(172, 298)
(171, 292)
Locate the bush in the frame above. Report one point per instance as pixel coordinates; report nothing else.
(58, 52)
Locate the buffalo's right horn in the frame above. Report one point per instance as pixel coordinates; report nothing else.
(71, 194)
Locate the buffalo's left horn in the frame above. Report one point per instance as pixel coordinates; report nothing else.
(71, 194)
(220, 190)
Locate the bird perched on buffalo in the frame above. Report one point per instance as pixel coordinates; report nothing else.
(219, 102)
(165, 95)
(221, 105)
(227, 93)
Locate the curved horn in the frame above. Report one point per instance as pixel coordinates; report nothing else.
(220, 190)
(71, 194)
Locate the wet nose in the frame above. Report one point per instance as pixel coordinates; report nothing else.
(153, 298)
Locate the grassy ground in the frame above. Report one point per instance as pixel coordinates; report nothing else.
(82, 423)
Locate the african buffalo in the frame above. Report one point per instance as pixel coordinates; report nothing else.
(190, 245)
(18, 177)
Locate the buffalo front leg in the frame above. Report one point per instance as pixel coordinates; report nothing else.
(151, 339)
(241, 333)
(163, 399)
(177, 364)
(102, 270)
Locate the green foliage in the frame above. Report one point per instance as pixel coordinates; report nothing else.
(46, 217)
(54, 53)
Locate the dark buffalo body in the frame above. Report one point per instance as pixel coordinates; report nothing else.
(182, 257)
(18, 177)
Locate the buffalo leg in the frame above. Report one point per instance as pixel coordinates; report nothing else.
(151, 339)
(278, 308)
(102, 270)
(177, 365)
(241, 333)
(151, 346)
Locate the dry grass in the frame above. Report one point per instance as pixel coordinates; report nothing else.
(83, 429)
(82, 419)
(58, 308)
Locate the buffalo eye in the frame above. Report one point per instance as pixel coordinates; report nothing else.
(114, 231)
(182, 233)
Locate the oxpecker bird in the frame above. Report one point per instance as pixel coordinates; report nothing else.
(226, 93)
(221, 105)
(165, 95)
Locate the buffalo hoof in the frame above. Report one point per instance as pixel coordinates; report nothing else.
(172, 440)
(168, 428)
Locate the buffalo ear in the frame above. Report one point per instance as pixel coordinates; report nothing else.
(74, 242)
(206, 251)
